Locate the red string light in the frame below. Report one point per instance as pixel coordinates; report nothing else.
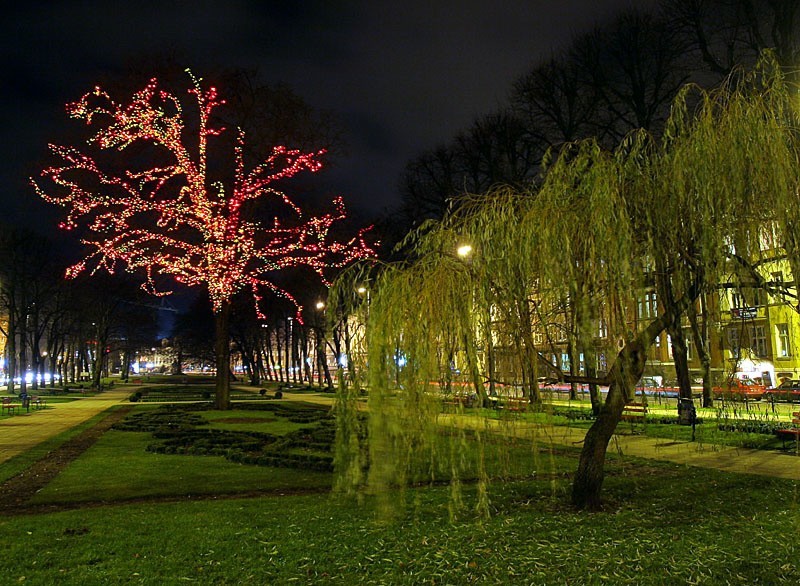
(195, 234)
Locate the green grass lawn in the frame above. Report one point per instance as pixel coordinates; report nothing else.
(118, 468)
(664, 525)
(22, 461)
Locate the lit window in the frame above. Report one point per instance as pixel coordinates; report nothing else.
(783, 340)
(758, 341)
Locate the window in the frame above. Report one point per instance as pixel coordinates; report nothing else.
(689, 355)
(602, 330)
(758, 341)
(744, 299)
(733, 340)
(648, 306)
(778, 286)
(651, 300)
(782, 331)
(669, 346)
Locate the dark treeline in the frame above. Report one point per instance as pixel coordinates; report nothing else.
(63, 331)
(278, 347)
(608, 82)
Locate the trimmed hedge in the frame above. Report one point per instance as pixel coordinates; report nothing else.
(177, 429)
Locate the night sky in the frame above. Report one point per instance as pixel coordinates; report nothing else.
(403, 76)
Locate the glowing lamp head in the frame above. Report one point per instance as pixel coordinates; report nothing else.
(464, 250)
(320, 305)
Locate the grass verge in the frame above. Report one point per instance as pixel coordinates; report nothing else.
(23, 461)
(738, 530)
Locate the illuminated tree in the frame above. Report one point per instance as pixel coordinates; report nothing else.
(150, 201)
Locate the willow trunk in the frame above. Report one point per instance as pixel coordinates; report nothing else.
(627, 370)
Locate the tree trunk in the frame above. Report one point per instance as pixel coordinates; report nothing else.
(287, 354)
(625, 373)
(573, 367)
(679, 357)
(97, 367)
(701, 342)
(678, 341)
(222, 349)
(11, 353)
(22, 364)
(590, 367)
(303, 342)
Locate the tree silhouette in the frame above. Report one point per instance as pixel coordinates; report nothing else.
(150, 200)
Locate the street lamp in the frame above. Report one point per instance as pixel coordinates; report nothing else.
(320, 305)
(464, 250)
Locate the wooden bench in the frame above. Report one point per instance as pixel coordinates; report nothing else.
(792, 433)
(634, 412)
(37, 402)
(459, 400)
(518, 404)
(9, 406)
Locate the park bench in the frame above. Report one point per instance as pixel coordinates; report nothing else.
(634, 412)
(9, 406)
(517, 404)
(792, 433)
(37, 402)
(459, 400)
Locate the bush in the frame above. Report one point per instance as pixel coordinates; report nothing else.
(262, 392)
(762, 427)
(135, 397)
(179, 431)
(278, 395)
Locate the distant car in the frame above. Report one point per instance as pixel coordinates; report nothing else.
(740, 390)
(653, 388)
(788, 390)
(792, 384)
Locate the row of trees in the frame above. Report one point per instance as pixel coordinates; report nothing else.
(278, 348)
(60, 332)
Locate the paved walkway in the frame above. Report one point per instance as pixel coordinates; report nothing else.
(25, 430)
(22, 432)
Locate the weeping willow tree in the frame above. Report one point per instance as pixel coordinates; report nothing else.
(697, 204)
(686, 213)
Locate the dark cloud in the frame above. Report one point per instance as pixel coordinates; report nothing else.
(404, 76)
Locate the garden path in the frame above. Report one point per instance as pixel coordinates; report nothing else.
(730, 459)
(21, 432)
